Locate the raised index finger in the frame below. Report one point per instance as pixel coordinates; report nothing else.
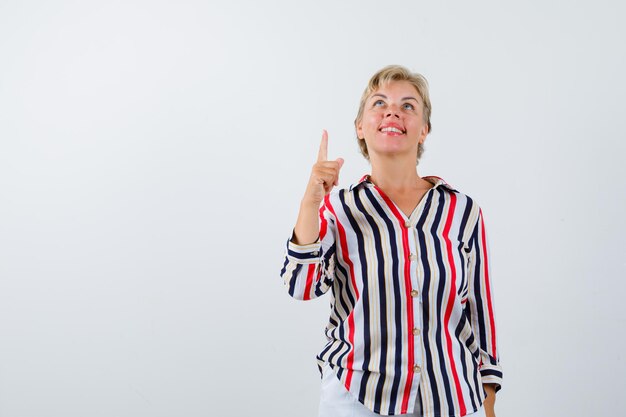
(322, 155)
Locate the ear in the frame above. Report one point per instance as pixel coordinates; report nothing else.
(359, 130)
(423, 134)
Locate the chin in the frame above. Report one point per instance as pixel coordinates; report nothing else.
(389, 153)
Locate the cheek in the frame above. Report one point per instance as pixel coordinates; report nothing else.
(416, 125)
(372, 121)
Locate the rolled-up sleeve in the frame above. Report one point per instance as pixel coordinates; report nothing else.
(481, 304)
(308, 270)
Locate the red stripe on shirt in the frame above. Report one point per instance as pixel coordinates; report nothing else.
(309, 282)
(450, 304)
(323, 231)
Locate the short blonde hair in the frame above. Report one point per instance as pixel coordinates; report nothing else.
(385, 76)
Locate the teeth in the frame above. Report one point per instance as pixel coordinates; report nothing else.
(391, 129)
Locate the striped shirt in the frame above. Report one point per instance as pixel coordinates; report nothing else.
(411, 326)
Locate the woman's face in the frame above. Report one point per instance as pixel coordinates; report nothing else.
(393, 121)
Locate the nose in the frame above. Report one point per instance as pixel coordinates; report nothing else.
(392, 111)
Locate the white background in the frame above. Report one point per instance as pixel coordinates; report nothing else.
(152, 158)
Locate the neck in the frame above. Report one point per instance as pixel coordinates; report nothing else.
(395, 173)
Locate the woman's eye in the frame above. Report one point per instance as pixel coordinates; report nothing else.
(378, 103)
(408, 106)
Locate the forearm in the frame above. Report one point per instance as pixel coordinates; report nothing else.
(307, 228)
(490, 400)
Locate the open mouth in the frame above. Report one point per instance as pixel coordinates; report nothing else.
(392, 129)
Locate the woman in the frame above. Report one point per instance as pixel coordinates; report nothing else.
(411, 328)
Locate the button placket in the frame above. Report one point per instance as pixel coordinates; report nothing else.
(417, 308)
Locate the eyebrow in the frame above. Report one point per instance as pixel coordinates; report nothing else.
(403, 98)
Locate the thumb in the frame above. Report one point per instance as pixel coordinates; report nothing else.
(340, 162)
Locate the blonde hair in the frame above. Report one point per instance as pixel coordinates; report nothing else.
(385, 76)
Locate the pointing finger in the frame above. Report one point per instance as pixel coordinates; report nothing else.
(322, 155)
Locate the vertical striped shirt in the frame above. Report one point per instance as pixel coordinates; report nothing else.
(411, 325)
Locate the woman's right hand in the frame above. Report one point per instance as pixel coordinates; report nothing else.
(324, 176)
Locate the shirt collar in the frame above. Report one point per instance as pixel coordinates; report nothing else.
(436, 181)
(365, 178)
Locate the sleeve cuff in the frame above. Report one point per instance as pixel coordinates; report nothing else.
(491, 375)
(304, 254)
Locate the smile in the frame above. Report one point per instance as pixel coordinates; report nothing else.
(391, 129)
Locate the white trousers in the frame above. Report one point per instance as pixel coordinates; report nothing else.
(336, 401)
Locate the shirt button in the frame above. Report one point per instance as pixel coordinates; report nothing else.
(407, 224)
(315, 253)
(414, 293)
(416, 368)
(416, 331)
(413, 256)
